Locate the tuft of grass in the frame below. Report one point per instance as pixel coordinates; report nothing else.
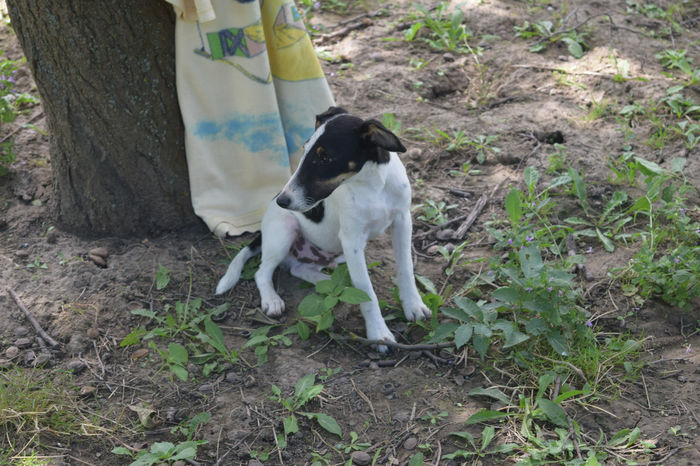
(36, 405)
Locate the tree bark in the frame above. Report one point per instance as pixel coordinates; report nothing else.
(105, 71)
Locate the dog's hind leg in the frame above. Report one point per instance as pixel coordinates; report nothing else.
(275, 250)
(308, 272)
(413, 307)
(233, 273)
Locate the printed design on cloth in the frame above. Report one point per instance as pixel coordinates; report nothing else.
(246, 42)
(250, 131)
(291, 53)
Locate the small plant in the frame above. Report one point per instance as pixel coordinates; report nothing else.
(434, 419)
(446, 31)
(675, 59)
(433, 212)
(161, 452)
(261, 341)
(391, 123)
(482, 144)
(481, 449)
(574, 40)
(305, 390)
(317, 307)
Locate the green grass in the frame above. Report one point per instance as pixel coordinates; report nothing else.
(37, 405)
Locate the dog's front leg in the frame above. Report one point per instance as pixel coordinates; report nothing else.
(401, 233)
(354, 250)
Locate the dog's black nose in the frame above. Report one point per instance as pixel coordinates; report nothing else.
(283, 201)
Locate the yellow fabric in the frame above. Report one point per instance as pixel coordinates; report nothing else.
(249, 86)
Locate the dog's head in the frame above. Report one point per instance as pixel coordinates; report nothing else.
(341, 145)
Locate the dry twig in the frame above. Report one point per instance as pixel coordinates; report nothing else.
(47, 338)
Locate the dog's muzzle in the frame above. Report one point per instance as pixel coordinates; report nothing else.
(284, 201)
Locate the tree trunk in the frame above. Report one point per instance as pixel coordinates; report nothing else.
(105, 71)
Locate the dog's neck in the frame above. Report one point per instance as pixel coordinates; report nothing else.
(373, 174)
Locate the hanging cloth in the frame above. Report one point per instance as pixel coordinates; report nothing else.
(249, 87)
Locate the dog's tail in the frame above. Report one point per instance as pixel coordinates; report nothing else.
(233, 274)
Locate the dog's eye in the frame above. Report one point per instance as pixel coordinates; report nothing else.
(323, 156)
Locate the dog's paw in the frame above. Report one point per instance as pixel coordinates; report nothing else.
(272, 306)
(416, 311)
(381, 334)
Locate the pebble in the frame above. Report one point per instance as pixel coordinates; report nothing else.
(445, 235)
(42, 359)
(11, 352)
(21, 331)
(360, 458)
(139, 353)
(206, 389)
(414, 153)
(5, 363)
(448, 57)
(76, 344)
(410, 443)
(97, 260)
(93, 333)
(29, 357)
(76, 366)
(52, 237)
(23, 342)
(232, 377)
(682, 379)
(99, 252)
(433, 250)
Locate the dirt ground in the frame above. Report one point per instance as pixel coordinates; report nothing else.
(505, 91)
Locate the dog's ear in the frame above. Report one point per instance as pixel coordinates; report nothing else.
(331, 112)
(374, 132)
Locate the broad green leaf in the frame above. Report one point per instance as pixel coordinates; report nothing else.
(291, 425)
(256, 340)
(329, 302)
(184, 452)
(569, 394)
(677, 164)
(607, 242)
(481, 343)
(558, 343)
(507, 294)
(303, 384)
(416, 460)
(329, 424)
(463, 334)
(649, 168)
(324, 322)
(573, 46)
(536, 327)
(352, 295)
(494, 393)
(325, 286)
(485, 415)
(427, 284)
(178, 353)
(530, 261)
(444, 331)
(514, 205)
(121, 451)
(466, 436)
(487, 436)
(531, 176)
(162, 448)
(311, 305)
(179, 371)
(216, 334)
(303, 330)
(162, 277)
(456, 314)
(468, 306)
(553, 412)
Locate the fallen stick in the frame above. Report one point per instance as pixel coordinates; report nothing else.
(32, 320)
(476, 211)
(345, 31)
(391, 344)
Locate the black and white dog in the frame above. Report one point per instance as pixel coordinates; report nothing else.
(349, 188)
